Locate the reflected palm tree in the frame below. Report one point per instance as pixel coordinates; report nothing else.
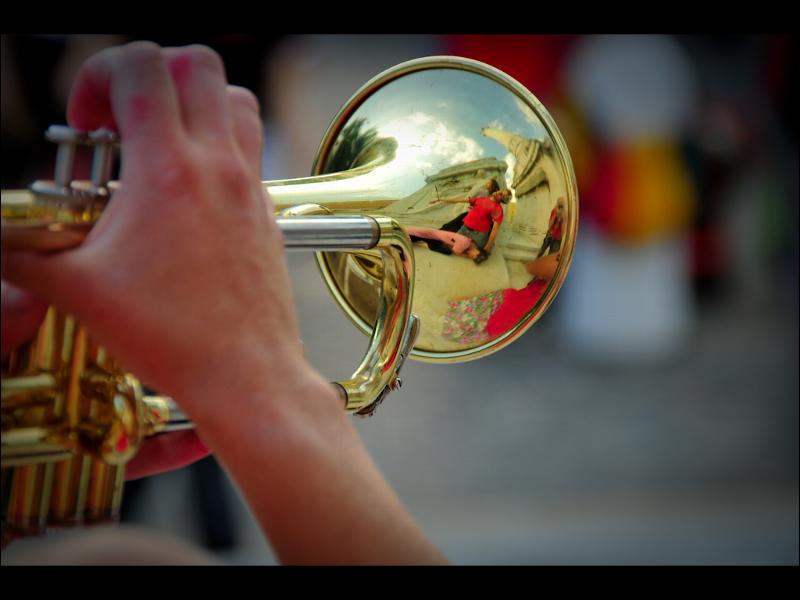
(357, 146)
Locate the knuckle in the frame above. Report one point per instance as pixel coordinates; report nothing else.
(123, 57)
(233, 175)
(180, 174)
(205, 57)
(140, 51)
(244, 98)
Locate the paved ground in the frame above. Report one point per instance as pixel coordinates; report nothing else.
(527, 457)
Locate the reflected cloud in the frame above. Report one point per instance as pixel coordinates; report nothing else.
(427, 143)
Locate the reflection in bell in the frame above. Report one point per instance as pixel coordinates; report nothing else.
(456, 125)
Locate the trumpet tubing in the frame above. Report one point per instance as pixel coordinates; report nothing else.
(443, 210)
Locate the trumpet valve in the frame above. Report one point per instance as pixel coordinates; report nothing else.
(68, 140)
(104, 141)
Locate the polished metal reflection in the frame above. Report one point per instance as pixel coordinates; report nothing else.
(334, 233)
(418, 142)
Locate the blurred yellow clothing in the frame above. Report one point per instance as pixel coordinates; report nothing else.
(655, 195)
(633, 190)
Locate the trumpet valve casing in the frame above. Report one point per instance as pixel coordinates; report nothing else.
(71, 419)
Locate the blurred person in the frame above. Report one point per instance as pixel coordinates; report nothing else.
(623, 103)
(629, 299)
(744, 149)
(284, 438)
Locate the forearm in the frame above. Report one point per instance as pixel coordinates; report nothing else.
(310, 482)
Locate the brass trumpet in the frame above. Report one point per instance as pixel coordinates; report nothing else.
(443, 210)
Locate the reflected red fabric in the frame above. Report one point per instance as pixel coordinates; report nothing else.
(484, 211)
(555, 229)
(516, 303)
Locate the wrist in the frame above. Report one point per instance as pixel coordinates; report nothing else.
(259, 395)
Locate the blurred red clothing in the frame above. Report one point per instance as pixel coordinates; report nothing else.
(536, 61)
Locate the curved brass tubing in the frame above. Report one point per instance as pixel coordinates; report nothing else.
(396, 328)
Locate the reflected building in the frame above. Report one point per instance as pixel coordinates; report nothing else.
(424, 209)
(537, 186)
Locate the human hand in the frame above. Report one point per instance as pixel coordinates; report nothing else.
(187, 252)
(183, 280)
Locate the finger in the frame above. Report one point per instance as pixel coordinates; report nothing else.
(247, 127)
(54, 278)
(199, 78)
(128, 88)
(165, 453)
(22, 313)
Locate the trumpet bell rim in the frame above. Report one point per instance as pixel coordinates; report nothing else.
(561, 152)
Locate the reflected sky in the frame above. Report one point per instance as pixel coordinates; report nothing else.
(437, 115)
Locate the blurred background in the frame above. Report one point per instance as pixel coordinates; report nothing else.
(651, 416)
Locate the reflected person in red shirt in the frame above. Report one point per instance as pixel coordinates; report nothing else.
(552, 241)
(482, 222)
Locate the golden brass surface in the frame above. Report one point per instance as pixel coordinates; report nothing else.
(471, 192)
(70, 420)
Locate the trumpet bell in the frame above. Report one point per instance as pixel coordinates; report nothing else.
(422, 143)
